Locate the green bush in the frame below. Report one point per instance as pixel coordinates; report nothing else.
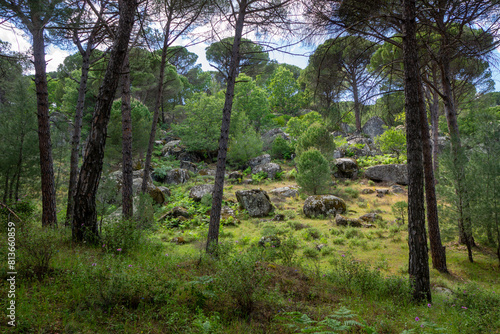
(121, 236)
(281, 149)
(296, 126)
(313, 171)
(392, 141)
(37, 247)
(245, 144)
(316, 136)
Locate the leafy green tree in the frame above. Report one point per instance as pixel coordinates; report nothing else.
(316, 136)
(313, 172)
(393, 140)
(251, 100)
(296, 126)
(285, 96)
(203, 114)
(253, 58)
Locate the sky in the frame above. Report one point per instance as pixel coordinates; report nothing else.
(296, 55)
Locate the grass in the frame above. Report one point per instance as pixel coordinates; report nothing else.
(157, 286)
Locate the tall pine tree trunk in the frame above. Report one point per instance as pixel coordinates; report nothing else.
(49, 214)
(357, 104)
(85, 215)
(213, 227)
(417, 239)
(438, 253)
(158, 102)
(77, 131)
(127, 196)
(434, 110)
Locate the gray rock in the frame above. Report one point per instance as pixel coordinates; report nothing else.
(395, 173)
(370, 217)
(236, 175)
(323, 205)
(337, 154)
(187, 156)
(346, 168)
(271, 169)
(344, 127)
(210, 172)
(343, 221)
(177, 176)
(255, 201)
(197, 192)
(269, 137)
(178, 211)
(397, 189)
(166, 192)
(285, 192)
(188, 165)
(374, 127)
(170, 147)
(279, 218)
(367, 191)
(260, 160)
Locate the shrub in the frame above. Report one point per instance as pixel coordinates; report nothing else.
(313, 171)
(37, 247)
(400, 210)
(296, 126)
(244, 145)
(121, 236)
(281, 149)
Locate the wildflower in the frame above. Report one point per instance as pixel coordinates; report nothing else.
(417, 319)
(429, 305)
(422, 326)
(343, 255)
(119, 249)
(130, 265)
(103, 245)
(166, 254)
(464, 307)
(94, 264)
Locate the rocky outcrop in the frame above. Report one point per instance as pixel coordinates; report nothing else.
(285, 192)
(188, 165)
(394, 173)
(323, 205)
(176, 176)
(346, 168)
(172, 148)
(255, 201)
(269, 137)
(197, 192)
(271, 169)
(374, 127)
(370, 217)
(260, 160)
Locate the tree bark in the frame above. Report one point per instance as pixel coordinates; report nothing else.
(85, 216)
(156, 111)
(438, 253)
(213, 227)
(434, 110)
(77, 131)
(357, 111)
(417, 239)
(49, 213)
(127, 196)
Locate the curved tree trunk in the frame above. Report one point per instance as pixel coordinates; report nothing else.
(417, 239)
(213, 227)
(127, 196)
(49, 214)
(85, 216)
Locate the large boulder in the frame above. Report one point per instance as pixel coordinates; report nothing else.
(190, 166)
(346, 168)
(260, 160)
(269, 137)
(344, 221)
(374, 127)
(197, 192)
(255, 201)
(323, 205)
(271, 169)
(177, 176)
(172, 148)
(285, 192)
(397, 173)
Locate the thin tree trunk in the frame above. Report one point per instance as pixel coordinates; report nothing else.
(459, 160)
(213, 227)
(49, 214)
(438, 252)
(85, 214)
(357, 111)
(156, 111)
(417, 239)
(77, 131)
(435, 120)
(127, 196)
